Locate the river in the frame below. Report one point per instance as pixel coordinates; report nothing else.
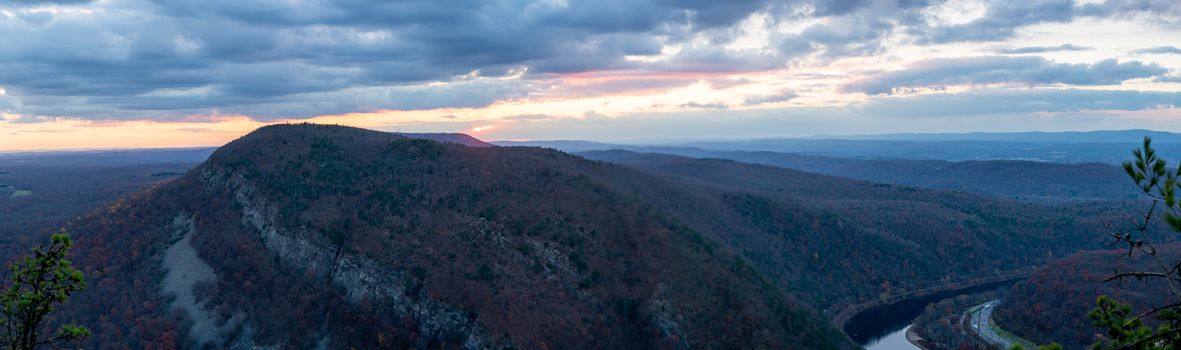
(884, 328)
(895, 340)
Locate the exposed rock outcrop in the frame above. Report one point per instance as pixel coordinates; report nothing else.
(184, 270)
(360, 276)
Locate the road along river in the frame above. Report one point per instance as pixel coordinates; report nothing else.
(884, 328)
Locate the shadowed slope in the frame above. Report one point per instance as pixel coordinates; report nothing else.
(368, 239)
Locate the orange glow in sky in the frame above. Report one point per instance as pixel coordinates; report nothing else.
(764, 71)
(78, 134)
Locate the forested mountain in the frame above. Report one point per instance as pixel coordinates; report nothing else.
(369, 239)
(40, 191)
(864, 237)
(1052, 305)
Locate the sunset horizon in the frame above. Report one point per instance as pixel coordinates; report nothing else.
(85, 74)
(590, 174)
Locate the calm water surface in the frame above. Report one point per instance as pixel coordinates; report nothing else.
(884, 328)
(892, 341)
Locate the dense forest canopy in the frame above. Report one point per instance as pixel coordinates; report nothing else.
(283, 213)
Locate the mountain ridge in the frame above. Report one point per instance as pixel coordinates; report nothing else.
(371, 239)
(275, 214)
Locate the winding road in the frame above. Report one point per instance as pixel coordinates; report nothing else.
(980, 321)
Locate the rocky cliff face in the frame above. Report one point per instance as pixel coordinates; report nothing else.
(362, 277)
(183, 271)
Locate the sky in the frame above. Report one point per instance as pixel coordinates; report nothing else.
(154, 73)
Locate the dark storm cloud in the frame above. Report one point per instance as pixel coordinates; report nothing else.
(938, 73)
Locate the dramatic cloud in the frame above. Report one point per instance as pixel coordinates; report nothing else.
(1003, 18)
(939, 73)
(129, 56)
(990, 109)
(181, 61)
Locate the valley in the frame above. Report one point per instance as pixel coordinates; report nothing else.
(807, 237)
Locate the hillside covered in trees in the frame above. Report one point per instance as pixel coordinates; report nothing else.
(880, 236)
(370, 239)
(1052, 305)
(366, 239)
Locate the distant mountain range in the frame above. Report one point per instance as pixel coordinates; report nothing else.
(1112, 147)
(1102, 136)
(1022, 180)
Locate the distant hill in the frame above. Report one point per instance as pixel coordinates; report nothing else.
(1106, 152)
(1111, 147)
(1023, 180)
(1052, 305)
(1103, 136)
(567, 146)
(457, 138)
(839, 220)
